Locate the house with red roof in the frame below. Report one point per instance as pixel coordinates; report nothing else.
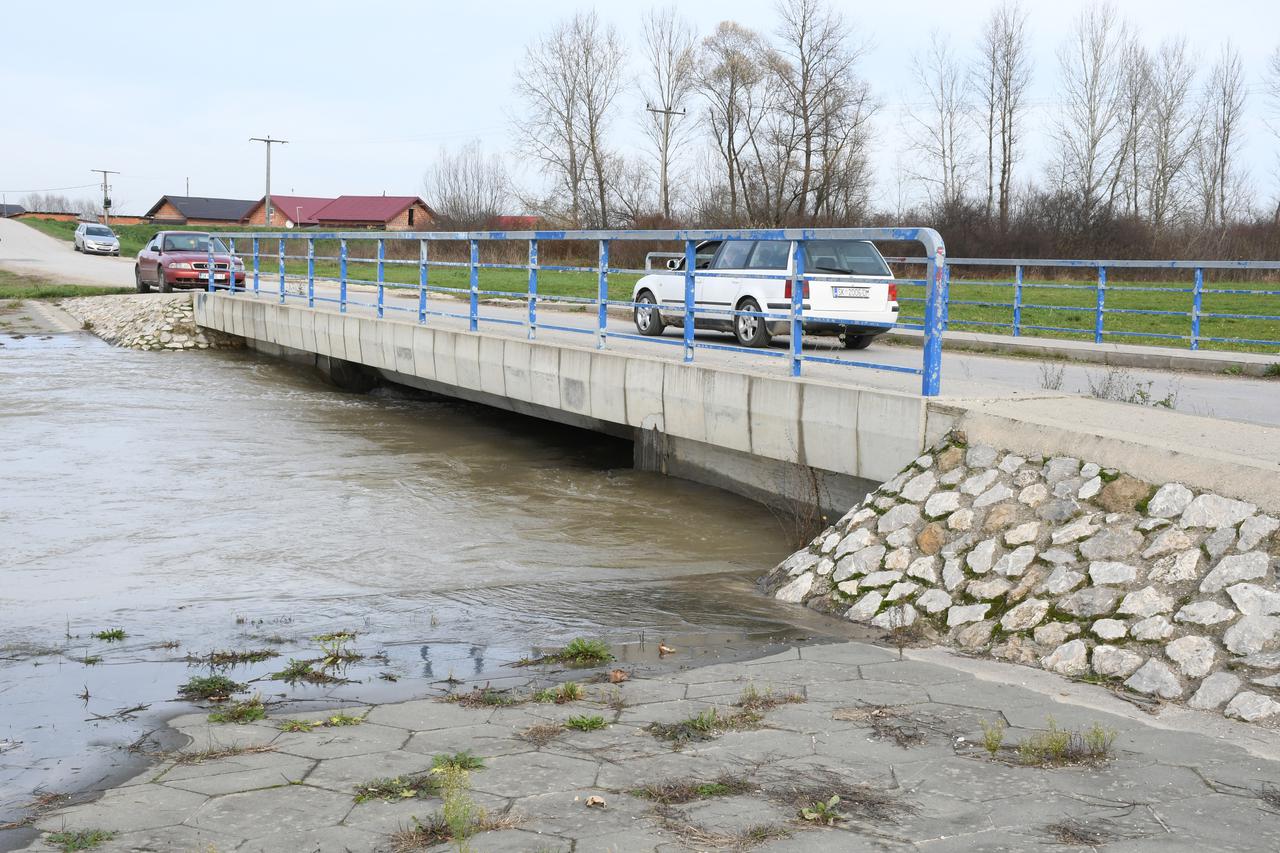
(382, 212)
(288, 211)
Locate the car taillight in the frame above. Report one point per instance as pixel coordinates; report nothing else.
(893, 292)
(787, 290)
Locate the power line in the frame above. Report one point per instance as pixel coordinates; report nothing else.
(266, 200)
(106, 194)
(53, 189)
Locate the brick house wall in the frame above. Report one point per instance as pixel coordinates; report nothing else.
(169, 213)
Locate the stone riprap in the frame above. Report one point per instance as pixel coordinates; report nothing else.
(160, 321)
(1060, 563)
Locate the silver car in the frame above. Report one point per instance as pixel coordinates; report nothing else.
(96, 240)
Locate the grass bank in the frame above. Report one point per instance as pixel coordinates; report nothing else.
(16, 286)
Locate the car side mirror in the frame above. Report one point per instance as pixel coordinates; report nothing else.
(159, 250)
(673, 263)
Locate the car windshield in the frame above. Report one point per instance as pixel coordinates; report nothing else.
(98, 231)
(851, 257)
(192, 243)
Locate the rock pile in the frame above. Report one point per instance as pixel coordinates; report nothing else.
(1060, 563)
(147, 322)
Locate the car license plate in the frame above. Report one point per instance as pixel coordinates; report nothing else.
(204, 276)
(851, 292)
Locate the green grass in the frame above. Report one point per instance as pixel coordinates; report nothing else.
(113, 635)
(398, 788)
(585, 723)
(80, 839)
(209, 687)
(580, 652)
(333, 721)
(132, 237)
(248, 711)
(17, 286)
(460, 760)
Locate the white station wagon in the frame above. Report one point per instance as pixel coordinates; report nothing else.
(856, 299)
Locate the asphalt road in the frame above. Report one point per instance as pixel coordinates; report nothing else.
(23, 249)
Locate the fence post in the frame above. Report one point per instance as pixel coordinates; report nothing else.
(255, 266)
(209, 271)
(342, 276)
(382, 258)
(934, 307)
(311, 272)
(533, 289)
(797, 306)
(1017, 300)
(1197, 299)
(690, 261)
(231, 264)
(946, 298)
(473, 321)
(280, 252)
(602, 296)
(1102, 305)
(422, 281)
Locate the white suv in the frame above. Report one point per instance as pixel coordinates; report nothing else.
(857, 298)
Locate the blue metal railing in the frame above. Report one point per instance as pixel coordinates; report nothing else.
(931, 323)
(1098, 308)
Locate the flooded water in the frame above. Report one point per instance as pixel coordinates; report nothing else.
(203, 501)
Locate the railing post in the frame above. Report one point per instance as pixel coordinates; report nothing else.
(690, 261)
(422, 281)
(1017, 300)
(934, 308)
(1102, 305)
(946, 298)
(602, 296)
(209, 265)
(311, 272)
(533, 289)
(280, 252)
(342, 276)
(797, 306)
(255, 266)
(1197, 300)
(473, 321)
(382, 261)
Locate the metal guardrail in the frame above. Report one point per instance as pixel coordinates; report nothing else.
(931, 324)
(1196, 294)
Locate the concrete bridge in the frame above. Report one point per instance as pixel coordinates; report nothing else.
(727, 420)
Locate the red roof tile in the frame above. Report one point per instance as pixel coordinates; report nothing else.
(366, 208)
(301, 209)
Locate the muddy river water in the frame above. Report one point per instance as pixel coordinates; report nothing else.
(210, 501)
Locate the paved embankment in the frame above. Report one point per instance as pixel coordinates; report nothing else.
(1160, 589)
(147, 322)
(762, 749)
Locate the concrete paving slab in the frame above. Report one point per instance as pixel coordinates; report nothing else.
(342, 775)
(255, 814)
(485, 740)
(534, 773)
(342, 741)
(426, 715)
(128, 809)
(286, 770)
(328, 839)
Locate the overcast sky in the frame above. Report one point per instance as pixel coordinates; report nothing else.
(366, 93)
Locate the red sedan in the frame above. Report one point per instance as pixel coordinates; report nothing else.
(174, 259)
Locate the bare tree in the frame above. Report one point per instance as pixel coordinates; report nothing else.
(1001, 78)
(467, 188)
(730, 77)
(813, 63)
(1135, 96)
(670, 78)
(938, 132)
(1222, 193)
(1089, 138)
(569, 80)
(1172, 131)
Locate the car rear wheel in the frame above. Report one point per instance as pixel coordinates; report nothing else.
(857, 341)
(751, 331)
(648, 320)
(142, 286)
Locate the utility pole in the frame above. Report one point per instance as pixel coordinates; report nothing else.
(106, 195)
(188, 188)
(666, 144)
(269, 142)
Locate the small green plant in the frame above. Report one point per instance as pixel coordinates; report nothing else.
(1272, 370)
(460, 812)
(1233, 369)
(823, 812)
(91, 660)
(1055, 746)
(579, 651)
(297, 725)
(679, 791)
(209, 687)
(704, 726)
(485, 697)
(461, 760)
(303, 670)
(570, 691)
(232, 658)
(754, 699)
(80, 839)
(332, 721)
(334, 647)
(584, 723)
(112, 635)
(398, 788)
(992, 737)
(248, 711)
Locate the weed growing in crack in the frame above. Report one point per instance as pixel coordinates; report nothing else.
(754, 699)
(79, 839)
(398, 788)
(1056, 747)
(823, 812)
(201, 756)
(570, 691)
(485, 697)
(459, 760)
(579, 652)
(705, 726)
(585, 723)
(541, 734)
(248, 711)
(992, 737)
(676, 792)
